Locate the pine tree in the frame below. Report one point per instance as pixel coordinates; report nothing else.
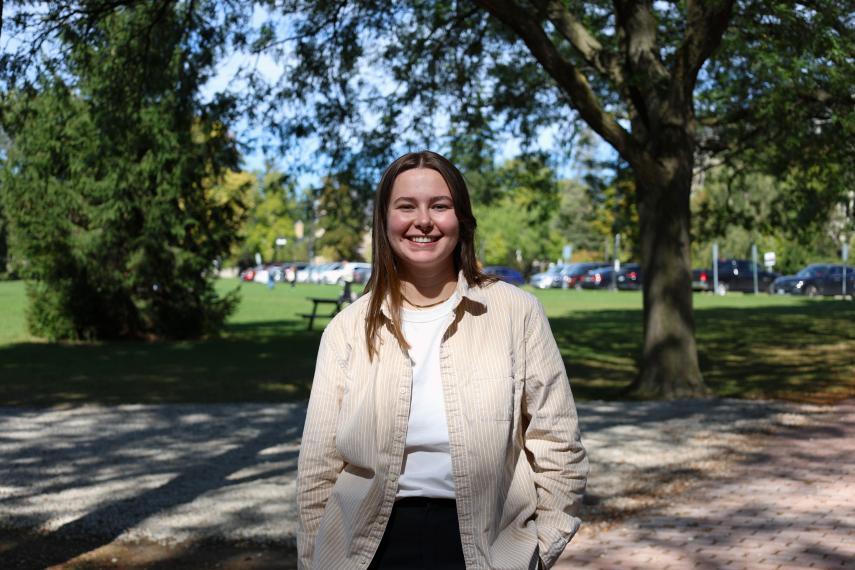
(107, 182)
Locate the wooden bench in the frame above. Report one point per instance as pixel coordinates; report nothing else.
(316, 301)
(346, 297)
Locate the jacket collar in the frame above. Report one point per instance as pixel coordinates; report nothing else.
(463, 290)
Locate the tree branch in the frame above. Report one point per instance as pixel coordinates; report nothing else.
(637, 25)
(585, 44)
(574, 84)
(705, 26)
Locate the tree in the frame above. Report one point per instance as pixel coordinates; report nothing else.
(575, 219)
(342, 218)
(643, 75)
(516, 205)
(630, 70)
(108, 183)
(5, 144)
(272, 215)
(738, 208)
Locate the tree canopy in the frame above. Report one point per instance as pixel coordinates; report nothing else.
(673, 87)
(107, 183)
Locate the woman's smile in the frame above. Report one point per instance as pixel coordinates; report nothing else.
(422, 225)
(424, 240)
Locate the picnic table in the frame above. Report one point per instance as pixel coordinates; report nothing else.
(316, 301)
(345, 297)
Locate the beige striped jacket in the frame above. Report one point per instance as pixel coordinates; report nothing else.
(518, 465)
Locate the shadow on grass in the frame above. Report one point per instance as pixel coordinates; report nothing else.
(793, 352)
(269, 361)
(798, 351)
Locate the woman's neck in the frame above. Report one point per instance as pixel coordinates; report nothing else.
(426, 287)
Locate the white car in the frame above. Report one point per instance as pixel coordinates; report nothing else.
(355, 267)
(331, 273)
(549, 278)
(305, 274)
(340, 271)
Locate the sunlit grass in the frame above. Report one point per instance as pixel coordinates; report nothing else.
(750, 347)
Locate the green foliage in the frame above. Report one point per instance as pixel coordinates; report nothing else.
(272, 215)
(5, 144)
(342, 217)
(108, 184)
(576, 218)
(517, 206)
(738, 208)
(777, 100)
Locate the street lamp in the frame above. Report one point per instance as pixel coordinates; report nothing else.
(280, 242)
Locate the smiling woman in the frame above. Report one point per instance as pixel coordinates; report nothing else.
(441, 431)
(422, 227)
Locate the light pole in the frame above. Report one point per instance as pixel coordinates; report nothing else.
(280, 242)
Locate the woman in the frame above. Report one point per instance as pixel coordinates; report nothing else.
(441, 431)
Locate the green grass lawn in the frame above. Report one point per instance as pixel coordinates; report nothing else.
(751, 347)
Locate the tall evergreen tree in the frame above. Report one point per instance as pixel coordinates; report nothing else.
(107, 183)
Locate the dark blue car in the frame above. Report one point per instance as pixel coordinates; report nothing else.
(506, 274)
(814, 280)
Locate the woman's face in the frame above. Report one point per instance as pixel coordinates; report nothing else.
(421, 223)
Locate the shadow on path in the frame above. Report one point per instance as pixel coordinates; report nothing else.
(212, 472)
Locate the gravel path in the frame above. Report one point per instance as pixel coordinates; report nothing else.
(174, 473)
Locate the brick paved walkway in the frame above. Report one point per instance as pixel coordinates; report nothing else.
(790, 506)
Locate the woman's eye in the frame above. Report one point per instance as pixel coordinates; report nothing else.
(442, 207)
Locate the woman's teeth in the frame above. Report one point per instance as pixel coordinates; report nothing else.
(423, 239)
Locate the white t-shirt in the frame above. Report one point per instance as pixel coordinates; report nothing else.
(427, 459)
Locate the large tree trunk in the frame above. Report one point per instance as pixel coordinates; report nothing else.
(669, 362)
(659, 103)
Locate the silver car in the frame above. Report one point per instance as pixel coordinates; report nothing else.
(548, 279)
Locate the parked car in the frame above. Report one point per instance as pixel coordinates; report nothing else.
(279, 271)
(353, 268)
(702, 279)
(294, 270)
(572, 274)
(629, 277)
(733, 275)
(261, 275)
(362, 274)
(287, 270)
(547, 279)
(307, 273)
(599, 278)
(332, 273)
(248, 274)
(316, 273)
(506, 274)
(815, 279)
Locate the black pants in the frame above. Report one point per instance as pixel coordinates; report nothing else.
(422, 534)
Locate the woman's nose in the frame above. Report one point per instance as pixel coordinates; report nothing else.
(423, 220)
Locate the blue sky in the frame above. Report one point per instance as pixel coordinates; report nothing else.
(254, 158)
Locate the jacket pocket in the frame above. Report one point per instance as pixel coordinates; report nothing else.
(493, 398)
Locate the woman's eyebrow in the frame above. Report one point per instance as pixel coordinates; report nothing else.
(431, 200)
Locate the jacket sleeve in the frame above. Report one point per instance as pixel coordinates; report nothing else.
(320, 463)
(552, 439)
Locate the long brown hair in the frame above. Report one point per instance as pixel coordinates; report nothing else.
(384, 280)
